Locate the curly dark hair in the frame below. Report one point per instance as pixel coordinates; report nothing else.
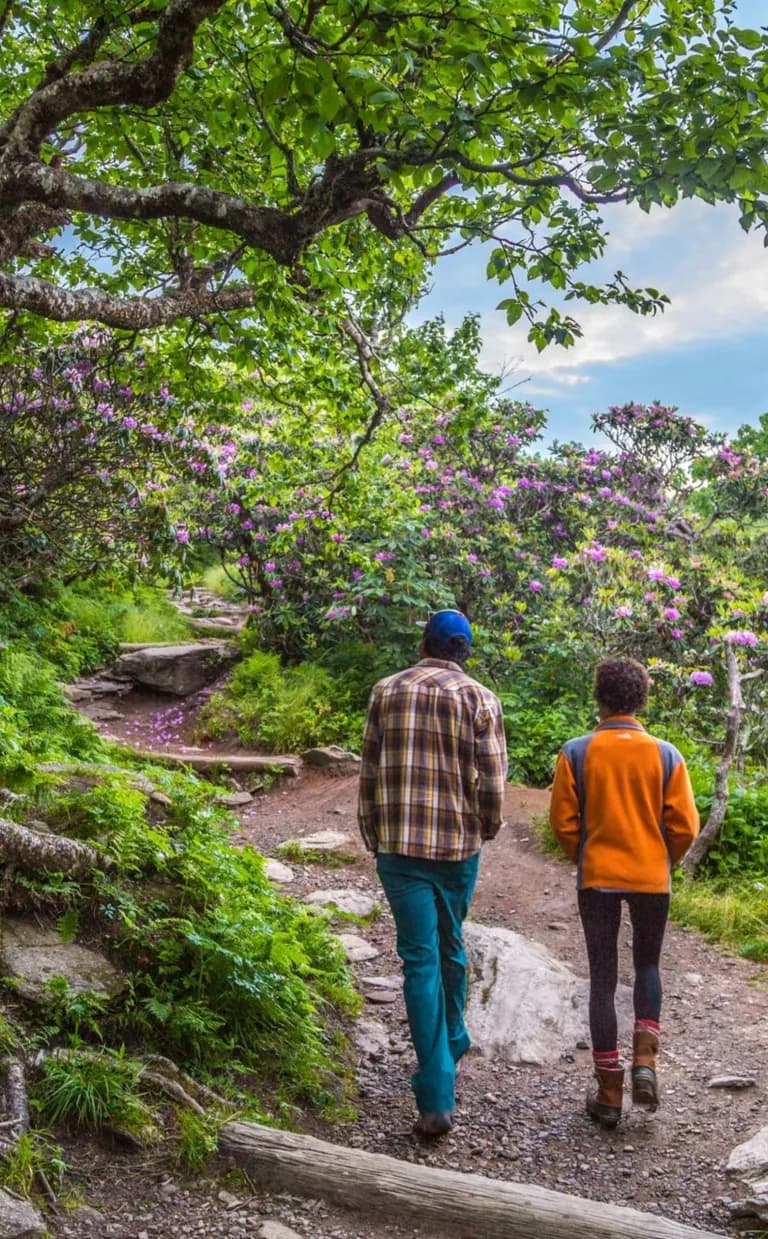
(622, 685)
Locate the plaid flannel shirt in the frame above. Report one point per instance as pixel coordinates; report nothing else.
(434, 764)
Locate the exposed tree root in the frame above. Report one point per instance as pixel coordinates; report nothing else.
(13, 1088)
(173, 1090)
(34, 850)
(166, 1066)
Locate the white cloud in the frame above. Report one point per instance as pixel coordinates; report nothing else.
(718, 289)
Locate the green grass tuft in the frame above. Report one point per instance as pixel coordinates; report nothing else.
(545, 837)
(732, 912)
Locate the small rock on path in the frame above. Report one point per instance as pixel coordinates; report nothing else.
(346, 899)
(357, 950)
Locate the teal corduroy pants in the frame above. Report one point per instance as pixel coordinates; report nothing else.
(429, 901)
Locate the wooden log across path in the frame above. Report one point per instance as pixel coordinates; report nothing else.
(447, 1201)
(246, 763)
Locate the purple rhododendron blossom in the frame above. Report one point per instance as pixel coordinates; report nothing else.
(702, 679)
(623, 612)
(741, 636)
(671, 613)
(596, 553)
(535, 586)
(558, 561)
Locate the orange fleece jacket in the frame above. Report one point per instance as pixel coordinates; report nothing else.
(623, 808)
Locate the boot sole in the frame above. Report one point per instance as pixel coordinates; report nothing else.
(645, 1090)
(607, 1116)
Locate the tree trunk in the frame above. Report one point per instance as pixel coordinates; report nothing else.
(446, 1201)
(711, 829)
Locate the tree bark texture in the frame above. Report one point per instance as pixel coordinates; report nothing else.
(442, 1199)
(711, 829)
(32, 851)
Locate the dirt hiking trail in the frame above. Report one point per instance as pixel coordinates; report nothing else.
(528, 1123)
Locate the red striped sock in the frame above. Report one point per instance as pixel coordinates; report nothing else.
(609, 1060)
(648, 1026)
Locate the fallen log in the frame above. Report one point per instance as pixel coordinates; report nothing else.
(446, 1201)
(247, 763)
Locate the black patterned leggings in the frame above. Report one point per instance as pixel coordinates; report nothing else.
(600, 913)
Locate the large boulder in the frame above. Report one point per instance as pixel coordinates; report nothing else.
(177, 669)
(32, 955)
(18, 1220)
(524, 1005)
(748, 1163)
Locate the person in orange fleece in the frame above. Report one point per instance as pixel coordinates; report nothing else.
(622, 809)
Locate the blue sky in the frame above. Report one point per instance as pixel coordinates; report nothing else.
(707, 353)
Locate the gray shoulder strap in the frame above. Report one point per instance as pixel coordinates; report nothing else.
(576, 752)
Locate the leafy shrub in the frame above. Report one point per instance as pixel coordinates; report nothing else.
(359, 664)
(198, 1139)
(535, 735)
(149, 615)
(36, 723)
(742, 845)
(283, 710)
(29, 1158)
(88, 1089)
(732, 912)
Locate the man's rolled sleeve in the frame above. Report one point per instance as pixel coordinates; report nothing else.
(366, 803)
(564, 810)
(491, 766)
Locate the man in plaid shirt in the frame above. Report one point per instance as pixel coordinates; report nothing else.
(431, 792)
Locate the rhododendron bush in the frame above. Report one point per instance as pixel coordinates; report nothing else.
(89, 455)
(646, 542)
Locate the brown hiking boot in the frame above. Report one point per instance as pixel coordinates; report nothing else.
(604, 1102)
(645, 1086)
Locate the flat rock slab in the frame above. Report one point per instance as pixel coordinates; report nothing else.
(32, 955)
(525, 1006)
(344, 899)
(277, 1230)
(380, 996)
(177, 669)
(276, 871)
(381, 989)
(332, 759)
(100, 713)
(335, 842)
(393, 983)
(356, 949)
(371, 1038)
(18, 1220)
(734, 1081)
(234, 800)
